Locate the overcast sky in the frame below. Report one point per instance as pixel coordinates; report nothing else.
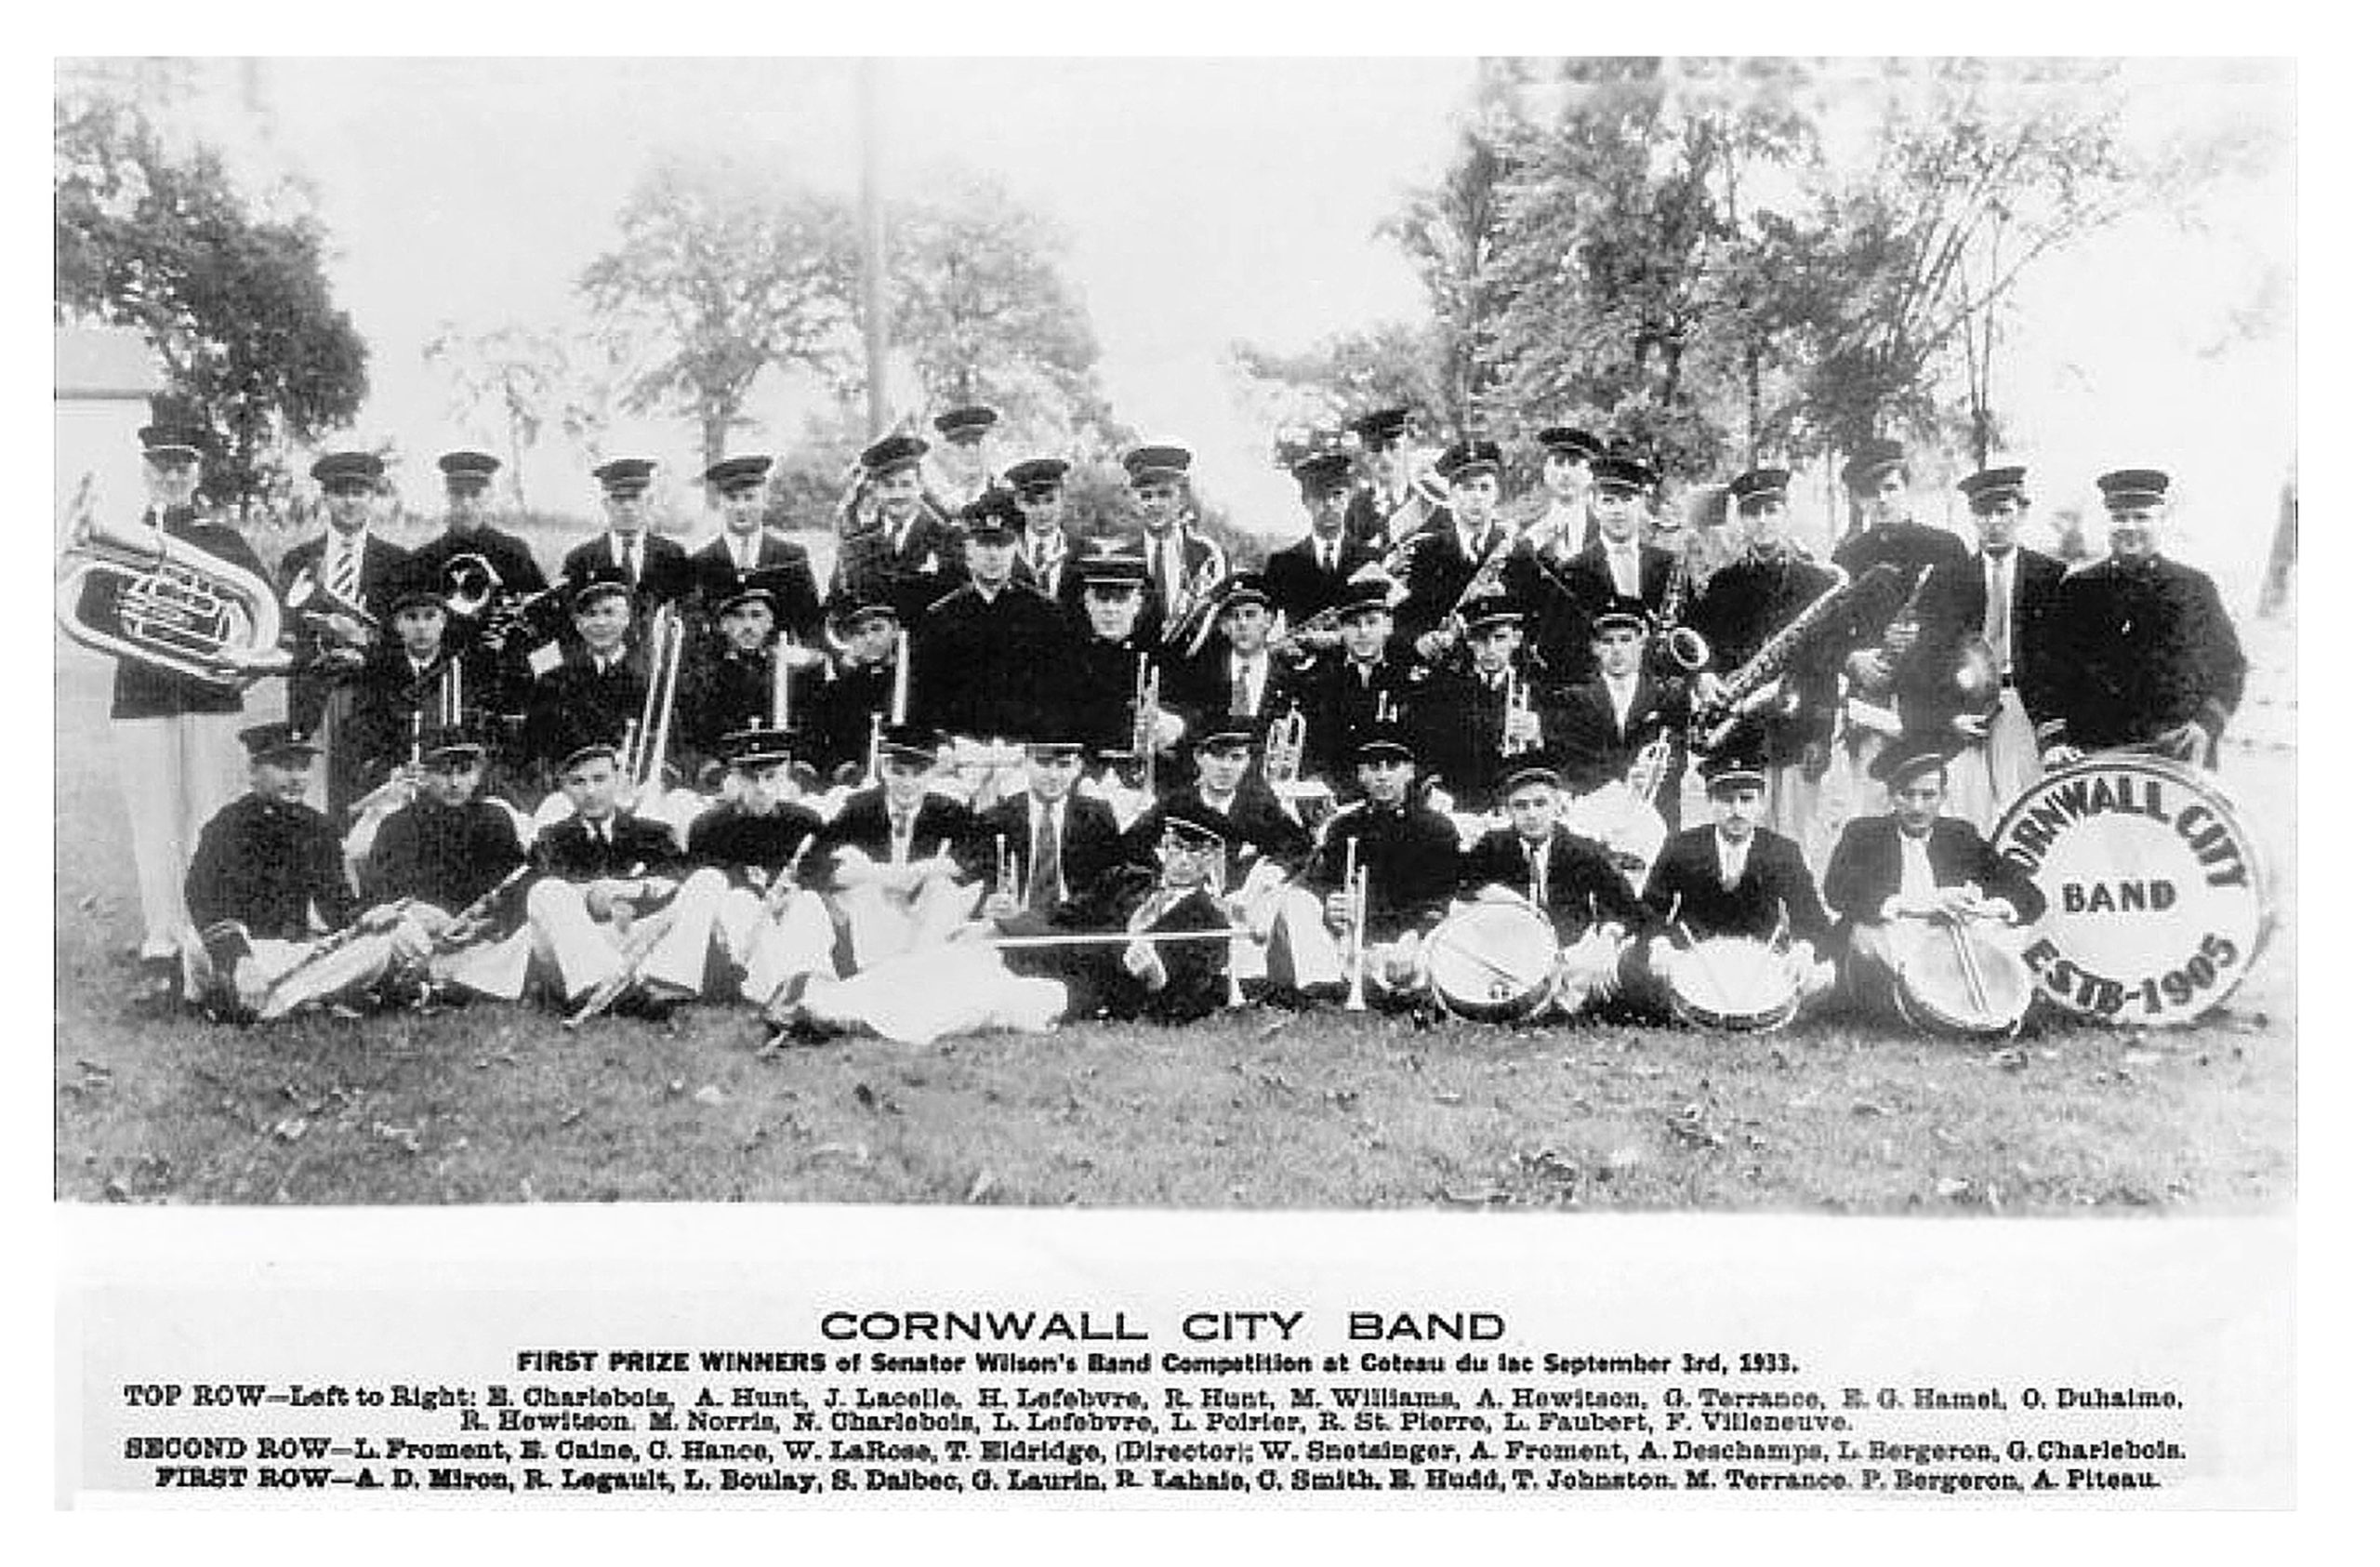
(1207, 201)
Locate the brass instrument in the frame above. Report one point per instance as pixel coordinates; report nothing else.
(1193, 619)
(1285, 748)
(142, 594)
(774, 899)
(483, 906)
(313, 601)
(1147, 681)
(1008, 879)
(648, 738)
(780, 684)
(897, 706)
(1685, 649)
(472, 584)
(1429, 493)
(1357, 883)
(1745, 689)
(1516, 708)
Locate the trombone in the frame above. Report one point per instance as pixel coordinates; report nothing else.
(648, 737)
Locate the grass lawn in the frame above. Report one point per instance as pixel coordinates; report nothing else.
(1257, 1108)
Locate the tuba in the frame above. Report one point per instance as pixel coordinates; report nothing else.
(142, 594)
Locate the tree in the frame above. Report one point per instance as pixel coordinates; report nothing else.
(724, 271)
(1389, 364)
(236, 305)
(522, 370)
(1633, 252)
(1450, 234)
(982, 313)
(1978, 174)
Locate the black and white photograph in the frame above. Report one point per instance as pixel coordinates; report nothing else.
(1538, 638)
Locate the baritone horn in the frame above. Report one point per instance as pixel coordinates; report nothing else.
(142, 594)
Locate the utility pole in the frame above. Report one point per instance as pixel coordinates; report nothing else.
(871, 245)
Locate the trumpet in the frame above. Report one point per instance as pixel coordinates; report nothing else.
(1285, 748)
(315, 601)
(1008, 876)
(1357, 883)
(1146, 711)
(144, 595)
(1519, 717)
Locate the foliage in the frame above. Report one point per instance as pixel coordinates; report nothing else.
(724, 270)
(522, 371)
(236, 304)
(1391, 365)
(982, 313)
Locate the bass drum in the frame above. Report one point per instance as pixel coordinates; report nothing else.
(1962, 981)
(1733, 983)
(1493, 962)
(2160, 900)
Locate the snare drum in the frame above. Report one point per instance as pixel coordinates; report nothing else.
(2159, 899)
(1493, 962)
(1733, 982)
(1964, 980)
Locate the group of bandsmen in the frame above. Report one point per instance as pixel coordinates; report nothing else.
(992, 773)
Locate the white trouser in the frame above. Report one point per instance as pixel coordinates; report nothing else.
(175, 772)
(885, 925)
(799, 939)
(585, 951)
(1984, 779)
(918, 997)
(1301, 945)
(351, 969)
(1812, 811)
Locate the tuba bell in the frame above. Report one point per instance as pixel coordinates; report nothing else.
(140, 593)
(472, 584)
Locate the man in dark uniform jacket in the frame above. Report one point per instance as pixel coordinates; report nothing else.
(1445, 563)
(966, 457)
(495, 651)
(990, 655)
(1598, 729)
(2145, 652)
(1564, 877)
(745, 552)
(1111, 654)
(1616, 569)
(176, 737)
(731, 685)
(1387, 438)
(1363, 682)
(900, 821)
(598, 690)
(1050, 845)
(364, 571)
(1047, 561)
(1238, 674)
(1733, 876)
(449, 846)
(1411, 856)
(1172, 981)
(1473, 720)
(832, 734)
(1312, 575)
(404, 686)
(608, 883)
(1901, 661)
(2004, 602)
(654, 567)
(1913, 863)
(1181, 565)
(894, 549)
(1748, 602)
(267, 874)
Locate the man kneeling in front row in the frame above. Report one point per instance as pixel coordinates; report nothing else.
(1893, 876)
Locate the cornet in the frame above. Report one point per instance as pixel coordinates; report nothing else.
(1357, 884)
(1519, 718)
(1285, 748)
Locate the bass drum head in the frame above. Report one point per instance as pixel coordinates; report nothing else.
(1735, 983)
(2159, 899)
(1493, 962)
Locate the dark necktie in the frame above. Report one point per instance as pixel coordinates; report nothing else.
(1043, 890)
(1243, 691)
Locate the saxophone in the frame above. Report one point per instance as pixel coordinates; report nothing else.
(1747, 688)
(1682, 647)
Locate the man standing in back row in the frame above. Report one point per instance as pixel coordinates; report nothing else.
(2146, 652)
